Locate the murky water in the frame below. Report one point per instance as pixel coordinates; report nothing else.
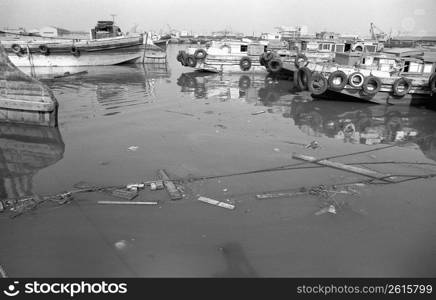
(199, 124)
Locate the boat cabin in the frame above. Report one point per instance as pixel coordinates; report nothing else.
(236, 48)
(105, 29)
(339, 46)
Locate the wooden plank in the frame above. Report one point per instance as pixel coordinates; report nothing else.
(344, 167)
(127, 202)
(216, 203)
(170, 186)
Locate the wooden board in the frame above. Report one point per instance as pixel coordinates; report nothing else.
(344, 167)
(170, 186)
(216, 203)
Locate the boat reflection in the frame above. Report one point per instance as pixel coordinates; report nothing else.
(113, 88)
(367, 124)
(252, 88)
(24, 150)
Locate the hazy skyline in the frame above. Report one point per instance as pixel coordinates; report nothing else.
(346, 16)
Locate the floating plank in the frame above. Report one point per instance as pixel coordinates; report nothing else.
(127, 202)
(344, 167)
(216, 202)
(279, 195)
(129, 195)
(170, 186)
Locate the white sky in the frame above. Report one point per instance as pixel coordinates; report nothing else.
(202, 16)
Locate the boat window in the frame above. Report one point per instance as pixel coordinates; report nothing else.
(326, 46)
(347, 47)
(340, 48)
(428, 68)
(415, 67)
(320, 46)
(303, 46)
(265, 48)
(244, 48)
(370, 48)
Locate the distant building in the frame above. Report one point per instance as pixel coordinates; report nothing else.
(327, 35)
(289, 32)
(52, 31)
(227, 34)
(270, 36)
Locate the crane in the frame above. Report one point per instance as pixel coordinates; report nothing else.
(381, 36)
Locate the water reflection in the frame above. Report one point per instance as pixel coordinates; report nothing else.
(24, 150)
(250, 88)
(367, 124)
(105, 90)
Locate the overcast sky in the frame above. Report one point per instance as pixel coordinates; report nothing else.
(202, 16)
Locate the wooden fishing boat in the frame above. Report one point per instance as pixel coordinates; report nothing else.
(24, 99)
(107, 46)
(226, 56)
(394, 76)
(315, 50)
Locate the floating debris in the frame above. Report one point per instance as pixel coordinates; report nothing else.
(128, 202)
(125, 194)
(259, 112)
(331, 209)
(216, 203)
(312, 145)
(170, 186)
(276, 150)
(121, 245)
(133, 148)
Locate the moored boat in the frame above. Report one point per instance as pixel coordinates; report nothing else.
(107, 46)
(226, 56)
(394, 76)
(24, 99)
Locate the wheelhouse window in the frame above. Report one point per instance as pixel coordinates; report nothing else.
(340, 48)
(370, 48)
(428, 68)
(244, 48)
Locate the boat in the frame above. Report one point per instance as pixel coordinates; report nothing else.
(225, 56)
(314, 50)
(24, 99)
(395, 76)
(107, 46)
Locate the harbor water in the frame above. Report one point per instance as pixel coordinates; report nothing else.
(121, 124)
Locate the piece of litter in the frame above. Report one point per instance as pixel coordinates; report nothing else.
(125, 194)
(312, 145)
(128, 202)
(216, 202)
(135, 185)
(121, 245)
(332, 209)
(259, 112)
(225, 190)
(133, 148)
(276, 149)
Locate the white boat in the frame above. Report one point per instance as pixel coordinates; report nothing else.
(107, 46)
(227, 56)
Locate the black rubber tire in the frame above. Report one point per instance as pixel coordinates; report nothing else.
(314, 86)
(17, 49)
(331, 81)
(191, 61)
(300, 60)
(275, 65)
(268, 56)
(432, 83)
(303, 78)
(371, 80)
(402, 81)
(75, 51)
(245, 63)
(244, 82)
(43, 49)
(352, 83)
(200, 54)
